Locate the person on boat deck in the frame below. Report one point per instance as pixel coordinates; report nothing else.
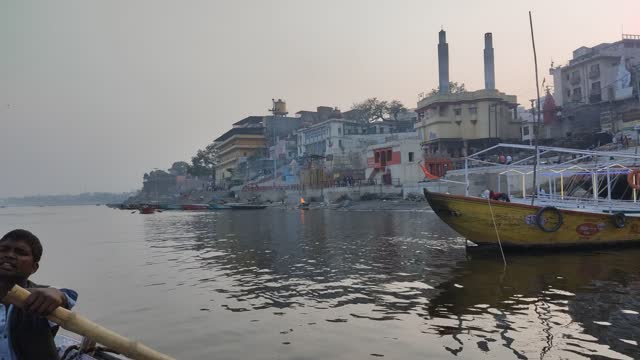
(26, 334)
(490, 194)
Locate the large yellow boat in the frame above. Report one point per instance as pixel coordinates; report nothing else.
(492, 222)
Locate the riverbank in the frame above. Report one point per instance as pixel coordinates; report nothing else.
(365, 205)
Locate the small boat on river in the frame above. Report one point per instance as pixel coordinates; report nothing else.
(239, 206)
(566, 215)
(216, 206)
(195, 207)
(146, 210)
(492, 222)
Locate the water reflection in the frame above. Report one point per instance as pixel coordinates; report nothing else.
(581, 303)
(411, 271)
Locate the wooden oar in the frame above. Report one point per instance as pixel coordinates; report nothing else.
(85, 327)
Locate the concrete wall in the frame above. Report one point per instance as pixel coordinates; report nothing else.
(327, 195)
(417, 188)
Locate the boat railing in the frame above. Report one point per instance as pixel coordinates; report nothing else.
(550, 199)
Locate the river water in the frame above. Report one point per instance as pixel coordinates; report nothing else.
(328, 284)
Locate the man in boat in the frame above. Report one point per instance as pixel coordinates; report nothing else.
(26, 333)
(495, 195)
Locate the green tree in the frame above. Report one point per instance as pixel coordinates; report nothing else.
(372, 110)
(179, 168)
(454, 88)
(396, 108)
(204, 162)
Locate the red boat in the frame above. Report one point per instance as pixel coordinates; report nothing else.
(195, 207)
(147, 210)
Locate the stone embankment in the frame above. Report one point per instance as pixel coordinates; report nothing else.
(372, 197)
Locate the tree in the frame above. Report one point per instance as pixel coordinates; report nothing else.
(367, 109)
(179, 168)
(372, 109)
(204, 162)
(396, 108)
(454, 88)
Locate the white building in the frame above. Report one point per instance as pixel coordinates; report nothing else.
(395, 162)
(343, 143)
(597, 74)
(327, 137)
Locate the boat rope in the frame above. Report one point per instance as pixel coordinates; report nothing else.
(495, 226)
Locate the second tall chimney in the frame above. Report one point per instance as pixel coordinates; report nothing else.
(443, 63)
(489, 67)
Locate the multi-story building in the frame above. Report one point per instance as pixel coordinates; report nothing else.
(245, 139)
(343, 144)
(596, 89)
(599, 73)
(235, 146)
(327, 137)
(456, 124)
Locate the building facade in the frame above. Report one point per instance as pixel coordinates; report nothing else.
(235, 146)
(457, 124)
(327, 137)
(598, 74)
(395, 162)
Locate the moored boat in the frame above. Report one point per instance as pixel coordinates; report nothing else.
(172, 207)
(239, 206)
(195, 207)
(147, 210)
(216, 206)
(491, 222)
(570, 202)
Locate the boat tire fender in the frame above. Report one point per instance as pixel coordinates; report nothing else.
(619, 220)
(634, 174)
(540, 219)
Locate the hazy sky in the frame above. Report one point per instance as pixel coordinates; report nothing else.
(95, 93)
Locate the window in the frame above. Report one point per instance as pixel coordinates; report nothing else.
(340, 143)
(595, 87)
(381, 129)
(389, 155)
(442, 110)
(568, 92)
(473, 110)
(410, 156)
(377, 157)
(339, 131)
(567, 76)
(457, 112)
(577, 94)
(525, 131)
(595, 68)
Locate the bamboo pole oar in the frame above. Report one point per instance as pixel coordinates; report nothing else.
(85, 327)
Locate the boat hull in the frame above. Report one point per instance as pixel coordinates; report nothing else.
(246, 206)
(218, 207)
(480, 220)
(195, 207)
